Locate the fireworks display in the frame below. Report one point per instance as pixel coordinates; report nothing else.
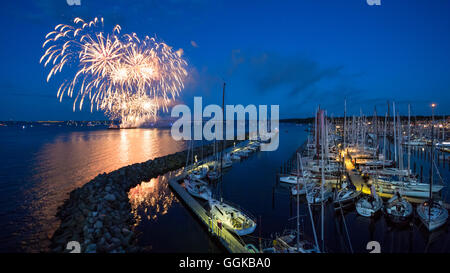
(127, 77)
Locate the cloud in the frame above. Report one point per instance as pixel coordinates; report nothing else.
(194, 44)
(270, 71)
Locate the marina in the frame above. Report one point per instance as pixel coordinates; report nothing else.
(349, 185)
(342, 212)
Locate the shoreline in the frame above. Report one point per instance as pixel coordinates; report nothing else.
(98, 214)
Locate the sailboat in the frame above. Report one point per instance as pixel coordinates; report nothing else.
(430, 212)
(192, 177)
(213, 174)
(398, 209)
(226, 162)
(234, 156)
(197, 188)
(345, 196)
(292, 179)
(289, 241)
(316, 194)
(369, 205)
(199, 173)
(232, 218)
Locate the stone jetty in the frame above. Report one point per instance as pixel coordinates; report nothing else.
(98, 214)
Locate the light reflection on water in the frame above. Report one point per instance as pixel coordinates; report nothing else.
(152, 198)
(42, 165)
(61, 160)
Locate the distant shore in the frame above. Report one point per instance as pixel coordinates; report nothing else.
(167, 122)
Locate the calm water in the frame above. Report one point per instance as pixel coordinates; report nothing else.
(41, 165)
(166, 226)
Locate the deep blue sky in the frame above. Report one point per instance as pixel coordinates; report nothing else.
(294, 53)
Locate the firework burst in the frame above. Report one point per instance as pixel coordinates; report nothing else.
(127, 77)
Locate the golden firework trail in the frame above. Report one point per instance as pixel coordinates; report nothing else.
(119, 74)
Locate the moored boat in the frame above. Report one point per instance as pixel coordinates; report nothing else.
(432, 214)
(398, 209)
(369, 205)
(197, 188)
(232, 217)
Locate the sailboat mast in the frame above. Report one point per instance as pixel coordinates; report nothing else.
(409, 138)
(400, 147)
(395, 135)
(322, 118)
(375, 122)
(298, 202)
(384, 139)
(345, 120)
(223, 131)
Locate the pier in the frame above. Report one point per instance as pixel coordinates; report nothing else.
(364, 187)
(225, 237)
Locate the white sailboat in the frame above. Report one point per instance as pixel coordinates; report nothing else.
(369, 205)
(197, 188)
(290, 241)
(398, 209)
(199, 173)
(234, 156)
(345, 196)
(232, 218)
(316, 194)
(430, 212)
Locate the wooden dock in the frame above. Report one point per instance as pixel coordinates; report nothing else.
(360, 184)
(225, 237)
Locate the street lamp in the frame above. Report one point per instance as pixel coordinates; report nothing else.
(433, 105)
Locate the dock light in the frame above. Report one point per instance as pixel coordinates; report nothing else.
(433, 105)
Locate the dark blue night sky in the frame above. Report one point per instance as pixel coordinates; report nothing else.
(297, 54)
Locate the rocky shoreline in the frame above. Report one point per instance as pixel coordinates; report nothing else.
(98, 214)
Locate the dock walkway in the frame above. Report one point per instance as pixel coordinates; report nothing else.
(360, 184)
(225, 237)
